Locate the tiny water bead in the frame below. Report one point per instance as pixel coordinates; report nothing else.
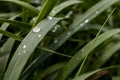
(53, 12)
(83, 50)
(97, 12)
(36, 29)
(39, 35)
(69, 33)
(24, 46)
(81, 24)
(24, 51)
(50, 18)
(86, 21)
(55, 41)
(19, 53)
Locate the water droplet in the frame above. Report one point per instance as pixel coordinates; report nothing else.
(69, 33)
(36, 29)
(55, 41)
(39, 35)
(49, 18)
(54, 30)
(53, 12)
(97, 12)
(83, 50)
(86, 21)
(24, 51)
(24, 46)
(81, 24)
(19, 53)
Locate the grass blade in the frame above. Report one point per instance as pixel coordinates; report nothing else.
(63, 5)
(11, 35)
(21, 25)
(24, 4)
(86, 75)
(80, 55)
(44, 12)
(109, 51)
(26, 48)
(75, 26)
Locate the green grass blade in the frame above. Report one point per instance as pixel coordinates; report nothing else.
(86, 75)
(4, 26)
(27, 46)
(5, 50)
(80, 55)
(51, 51)
(24, 4)
(76, 25)
(21, 25)
(51, 69)
(7, 15)
(109, 51)
(63, 5)
(44, 12)
(6, 33)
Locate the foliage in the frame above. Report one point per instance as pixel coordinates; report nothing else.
(59, 40)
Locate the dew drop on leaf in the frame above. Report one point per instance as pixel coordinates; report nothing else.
(81, 24)
(68, 33)
(36, 29)
(39, 35)
(83, 50)
(53, 12)
(24, 51)
(55, 41)
(24, 46)
(97, 12)
(86, 21)
(19, 53)
(49, 18)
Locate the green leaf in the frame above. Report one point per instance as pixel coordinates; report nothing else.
(44, 12)
(4, 26)
(21, 25)
(108, 52)
(51, 69)
(6, 33)
(24, 4)
(80, 55)
(88, 74)
(63, 5)
(27, 46)
(75, 26)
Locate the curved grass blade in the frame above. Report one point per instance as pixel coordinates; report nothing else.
(88, 74)
(63, 5)
(7, 15)
(44, 12)
(21, 25)
(51, 51)
(4, 26)
(80, 55)
(109, 51)
(51, 69)
(6, 33)
(5, 50)
(27, 46)
(24, 4)
(75, 26)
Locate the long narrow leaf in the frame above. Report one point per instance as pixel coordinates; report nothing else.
(80, 55)
(26, 48)
(63, 5)
(24, 4)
